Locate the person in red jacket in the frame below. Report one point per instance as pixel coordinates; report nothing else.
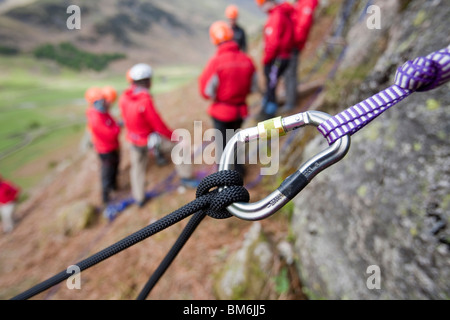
(105, 136)
(303, 17)
(141, 119)
(228, 78)
(8, 196)
(278, 44)
(239, 35)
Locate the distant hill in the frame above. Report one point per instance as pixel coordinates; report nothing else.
(174, 31)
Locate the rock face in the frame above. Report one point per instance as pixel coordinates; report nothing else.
(246, 273)
(74, 218)
(376, 225)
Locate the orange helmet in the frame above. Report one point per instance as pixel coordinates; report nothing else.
(129, 77)
(93, 94)
(220, 32)
(232, 12)
(109, 94)
(260, 2)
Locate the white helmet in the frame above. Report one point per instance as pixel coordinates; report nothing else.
(140, 71)
(154, 141)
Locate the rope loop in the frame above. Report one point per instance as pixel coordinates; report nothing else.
(421, 74)
(234, 192)
(424, 73)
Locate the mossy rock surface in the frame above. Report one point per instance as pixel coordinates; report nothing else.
(247, 272)
(74, 218)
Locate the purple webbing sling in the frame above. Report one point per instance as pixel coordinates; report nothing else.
(421, 74)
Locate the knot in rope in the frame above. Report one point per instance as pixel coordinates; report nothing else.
(233, 191)
(425, 73)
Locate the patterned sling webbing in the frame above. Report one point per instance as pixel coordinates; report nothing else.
(421, 74)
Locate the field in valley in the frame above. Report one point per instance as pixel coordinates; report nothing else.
(42, 111)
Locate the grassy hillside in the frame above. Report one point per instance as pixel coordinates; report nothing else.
(42, 111)
(158, 31)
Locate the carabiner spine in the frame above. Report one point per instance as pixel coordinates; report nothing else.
(295, 182)
(261, 209)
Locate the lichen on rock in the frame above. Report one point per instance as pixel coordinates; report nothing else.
(246, 273)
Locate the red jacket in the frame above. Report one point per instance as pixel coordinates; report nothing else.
(104, 129)
(227, 80)
(8, 192)
(140, 116)
(279, 33)
(303, 18)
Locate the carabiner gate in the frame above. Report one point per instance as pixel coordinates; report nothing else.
(296, 182)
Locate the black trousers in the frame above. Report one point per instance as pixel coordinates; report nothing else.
(222, 127)
(109, 171)
(273, 72)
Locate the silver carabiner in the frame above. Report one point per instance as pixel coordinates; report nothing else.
(296, 182)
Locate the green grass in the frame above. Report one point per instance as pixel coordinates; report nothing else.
(44, 101)
(67, 54)
(44, 146)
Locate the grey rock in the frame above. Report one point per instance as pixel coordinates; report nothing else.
(247, 272)
(73, 218)
(387, 202)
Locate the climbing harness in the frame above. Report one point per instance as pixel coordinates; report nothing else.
(295, 182)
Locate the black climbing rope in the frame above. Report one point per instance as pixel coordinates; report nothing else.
(208, 202)
(233, 193)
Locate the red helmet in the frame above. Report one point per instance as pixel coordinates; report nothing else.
(260, 2)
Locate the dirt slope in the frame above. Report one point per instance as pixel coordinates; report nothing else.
(33, 252)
